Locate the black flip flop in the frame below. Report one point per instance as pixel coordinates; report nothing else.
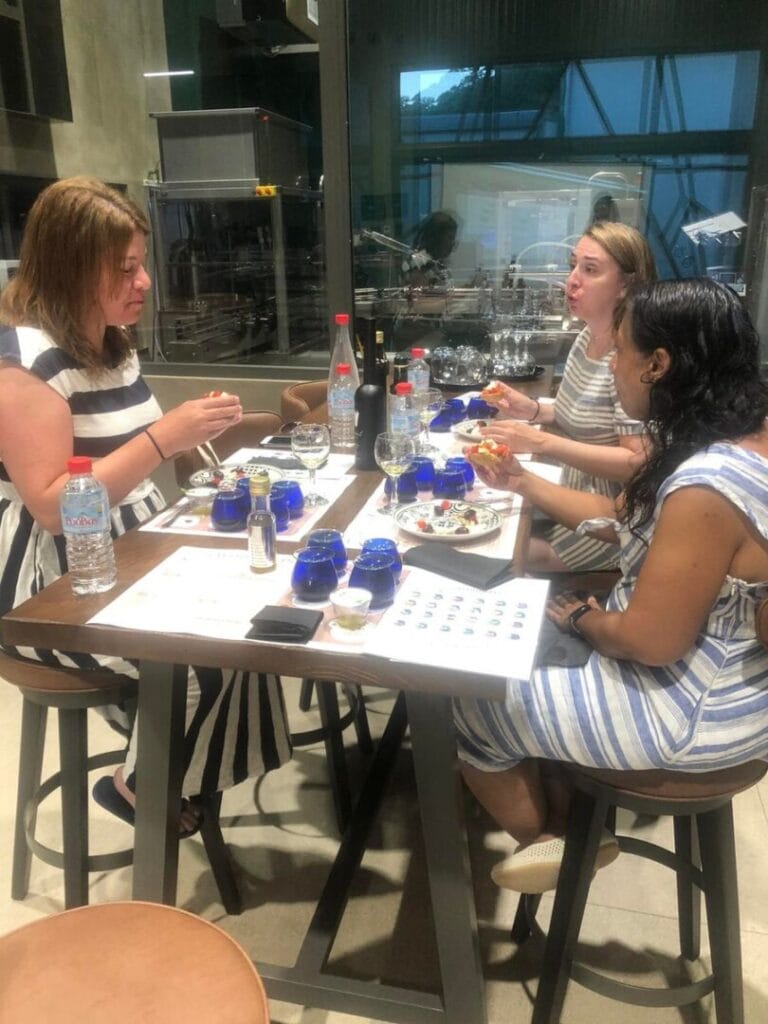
(106, 795)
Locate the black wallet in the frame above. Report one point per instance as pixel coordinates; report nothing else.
(284, 625)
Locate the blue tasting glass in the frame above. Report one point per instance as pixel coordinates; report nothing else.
(387, 547)
(230, 508)
(407, 487)
(375, 573)
(450, 484)
(314, 576)
(278, 504)
(425, 472)
(295, 498)
(459, 462)
(332, 540)
(479, 409)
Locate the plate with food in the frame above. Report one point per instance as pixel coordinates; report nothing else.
(470, 430)
(214, 477)
(450, 521)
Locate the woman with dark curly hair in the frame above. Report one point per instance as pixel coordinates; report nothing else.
(678, 678)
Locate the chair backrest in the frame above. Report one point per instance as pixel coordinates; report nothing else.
(297, 400)
(125, 962)
(252, 428)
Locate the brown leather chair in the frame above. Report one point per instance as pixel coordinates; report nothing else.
(252, 428)
(126, 962)
(298, 401)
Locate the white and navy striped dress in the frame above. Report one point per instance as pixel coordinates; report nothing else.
(708, 710)
(235, 727)
(587, 409)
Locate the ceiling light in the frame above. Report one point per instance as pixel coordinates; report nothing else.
(166, 74)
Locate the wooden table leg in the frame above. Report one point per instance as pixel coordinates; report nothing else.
(159, 776)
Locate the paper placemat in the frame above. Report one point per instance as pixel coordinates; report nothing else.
(370, 522)
(191, 516)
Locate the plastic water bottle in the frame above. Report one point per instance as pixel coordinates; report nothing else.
(341, 407)
(85, 522)
(343, 352)
(403, 414)
(418, 371)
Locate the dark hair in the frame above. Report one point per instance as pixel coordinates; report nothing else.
(712, 390)
(76, 229)
(436, 234)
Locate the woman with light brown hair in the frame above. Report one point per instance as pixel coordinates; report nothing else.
(71, 384)
(599, 445)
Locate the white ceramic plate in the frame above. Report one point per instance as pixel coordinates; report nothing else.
(229, 475)
(458, 522)
(470, 429)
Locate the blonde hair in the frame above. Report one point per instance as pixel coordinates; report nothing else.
(631, 252)
(77, 229)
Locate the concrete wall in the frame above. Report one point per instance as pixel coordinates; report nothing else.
(109, 44)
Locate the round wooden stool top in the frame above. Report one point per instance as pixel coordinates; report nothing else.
(142, 963)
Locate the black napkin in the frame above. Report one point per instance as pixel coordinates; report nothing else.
(284, 625)
(463, 566)
(278, 461)
(562, 649)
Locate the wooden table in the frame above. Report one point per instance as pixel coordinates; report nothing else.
(55, 618)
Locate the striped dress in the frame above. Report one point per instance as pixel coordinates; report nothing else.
(235, 727)
(587, 409)
(708, 710)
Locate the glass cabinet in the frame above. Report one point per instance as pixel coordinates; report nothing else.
(239, 271)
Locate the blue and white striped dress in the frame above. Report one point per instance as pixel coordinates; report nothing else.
(707, 710)
(235, 728)
(587, 409)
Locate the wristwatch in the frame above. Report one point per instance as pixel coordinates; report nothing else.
(574, 617)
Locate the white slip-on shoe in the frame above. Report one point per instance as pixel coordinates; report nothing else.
(535, 868)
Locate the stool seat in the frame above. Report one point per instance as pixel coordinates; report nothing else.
(35, 676)
(127, 962)
(660, 784)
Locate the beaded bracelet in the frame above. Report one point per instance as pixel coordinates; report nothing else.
(538, 409)
(154, 442)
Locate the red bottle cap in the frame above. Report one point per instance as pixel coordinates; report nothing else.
(78, 465)
(403, 388)
(342, 369)
(417, 353)
(342, 319)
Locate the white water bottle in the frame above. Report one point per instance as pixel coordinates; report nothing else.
(343, 352)
(403, 414)
(341, 407)
(418, 371)
(85, 523)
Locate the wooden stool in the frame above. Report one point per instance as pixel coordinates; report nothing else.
(330, 733)
(704, 858)
(127, 962)
(71, 693)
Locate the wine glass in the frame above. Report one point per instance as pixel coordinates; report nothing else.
(428, 403)
(393, 454)
(311, 443)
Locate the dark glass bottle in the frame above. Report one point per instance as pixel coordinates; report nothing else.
(399, 370)
(381, 372)
(371, 420)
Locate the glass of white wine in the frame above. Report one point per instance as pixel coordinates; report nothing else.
(311, 443)
(393, 454)
(429, 403)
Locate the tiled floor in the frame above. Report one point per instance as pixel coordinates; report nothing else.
(283, 841)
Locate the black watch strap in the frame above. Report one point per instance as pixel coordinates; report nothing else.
(574, 617)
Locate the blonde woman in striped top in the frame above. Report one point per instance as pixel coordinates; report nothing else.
(599, 445)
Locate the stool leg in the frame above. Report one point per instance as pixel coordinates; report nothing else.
(328, 705)
(585, 826)
(718, 862)
(355, 697)
(219, 855)
(73, 744)
(305, 694)
(527, 906)
(688, 894)
(33, 719)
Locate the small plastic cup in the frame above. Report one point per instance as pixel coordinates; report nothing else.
(350, 606)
